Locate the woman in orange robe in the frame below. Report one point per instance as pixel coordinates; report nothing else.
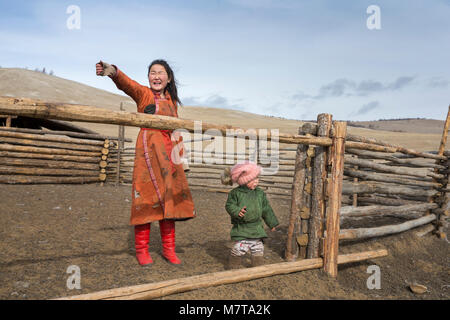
(160, 191)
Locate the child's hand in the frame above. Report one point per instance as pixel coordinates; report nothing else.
(242, 212)
(273, 229)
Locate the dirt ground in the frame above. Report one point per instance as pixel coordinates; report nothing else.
(47, 228)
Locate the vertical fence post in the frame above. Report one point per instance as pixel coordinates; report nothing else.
(355, 180)
(308, 129)
(444, 134)
(319, 176)
(305, 214)
(331, 243)
(120, 148)
(292, 251)
(443, 201)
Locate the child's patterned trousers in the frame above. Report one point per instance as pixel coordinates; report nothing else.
(241, 247)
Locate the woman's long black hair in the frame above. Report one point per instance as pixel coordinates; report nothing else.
(172, 85)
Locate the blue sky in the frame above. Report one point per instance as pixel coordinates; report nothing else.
(287, 58)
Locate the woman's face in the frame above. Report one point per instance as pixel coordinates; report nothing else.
(158, 78)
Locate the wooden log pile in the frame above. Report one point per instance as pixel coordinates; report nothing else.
(394, 182)
(31, 156)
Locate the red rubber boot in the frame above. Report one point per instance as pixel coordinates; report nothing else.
(141, 240)
(167, 228)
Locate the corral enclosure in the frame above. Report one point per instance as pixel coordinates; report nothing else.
(378, 180)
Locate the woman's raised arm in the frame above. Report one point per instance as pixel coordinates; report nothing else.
(122, 81)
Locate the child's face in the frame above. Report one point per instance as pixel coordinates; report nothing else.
(253, 184)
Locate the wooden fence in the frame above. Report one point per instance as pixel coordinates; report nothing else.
(327, 168)
(384, 181)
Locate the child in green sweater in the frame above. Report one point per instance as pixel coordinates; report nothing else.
(248, 207)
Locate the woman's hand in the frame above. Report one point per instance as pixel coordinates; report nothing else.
(105, 69)
(242, 212)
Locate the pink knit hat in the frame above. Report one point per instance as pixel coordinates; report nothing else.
(243, 173)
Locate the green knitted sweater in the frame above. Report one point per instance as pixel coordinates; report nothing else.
(250, 226)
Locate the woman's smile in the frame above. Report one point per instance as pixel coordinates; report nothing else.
(158, 78)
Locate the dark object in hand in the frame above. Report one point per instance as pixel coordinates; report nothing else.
(150, 109)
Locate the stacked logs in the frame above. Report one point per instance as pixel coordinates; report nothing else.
(383, 181)
(43, 156)
(120, 160)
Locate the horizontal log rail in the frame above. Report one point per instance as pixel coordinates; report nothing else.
(390, 169)
(350, 211)
(37, 109)
(91, 136)
(25, 155)
(389, 178)
(364, 187)
(70, 112)
(51, 163)
(168, 287)
(49, 144)
(376, 199)
(30, 136)
(40, 150)
(46, 171)
(25, 179)
(362, 233)
(393, 158)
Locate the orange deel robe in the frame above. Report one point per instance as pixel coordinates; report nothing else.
(160, 189)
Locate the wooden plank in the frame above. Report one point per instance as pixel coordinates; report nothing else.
(373, 147)
(120, 148)
(319, 175)
(92, 136)
(18, 148)
(42, 163)
(350, 211)
(362, 233)
(376, 155)
(45, 171)
(386, 168)
(24, 179)
(48, 144)
(444, 134)
(43, 110)
(60, 157)
(385, 188)
(331, 244)
(42, 137)
(377, 199)
(291, 251)
(443, 195)
(168, 287)
(389, 178)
